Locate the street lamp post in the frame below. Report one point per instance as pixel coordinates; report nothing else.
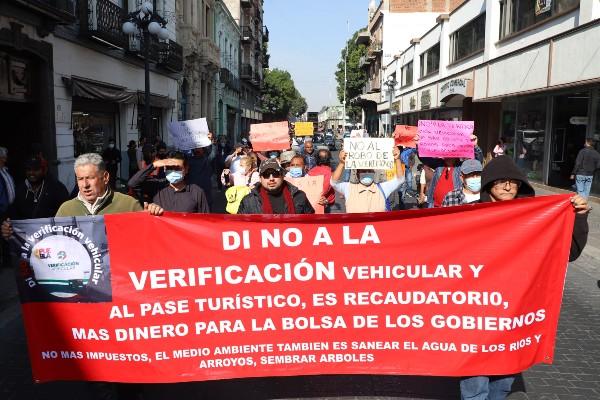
(391, 83)
(147, 22)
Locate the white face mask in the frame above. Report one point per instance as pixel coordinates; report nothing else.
(367, 178)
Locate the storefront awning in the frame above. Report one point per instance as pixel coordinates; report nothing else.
(97, 91)
(156, 100)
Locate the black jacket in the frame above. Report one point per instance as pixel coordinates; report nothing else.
(28, 205)
(252, 203)
(587, 161)
(503, 167)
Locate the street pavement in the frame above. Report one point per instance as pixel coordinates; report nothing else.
(575, 373)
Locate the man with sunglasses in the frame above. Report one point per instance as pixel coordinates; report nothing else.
(180, 196)
(502, 180)
(273, 195)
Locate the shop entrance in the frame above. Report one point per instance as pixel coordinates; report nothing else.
(569, 126)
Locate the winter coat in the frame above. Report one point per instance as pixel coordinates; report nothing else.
(503, 167)
(252, 203)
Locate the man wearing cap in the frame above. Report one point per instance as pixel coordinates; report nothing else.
(286, 158)
(39, 195)
(273, 195)
(470, 176)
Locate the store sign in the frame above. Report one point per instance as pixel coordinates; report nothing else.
(578, 120)
(452, 87)
(425, 99)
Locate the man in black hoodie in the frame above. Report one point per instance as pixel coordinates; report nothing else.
(502, 180)
(587, 162)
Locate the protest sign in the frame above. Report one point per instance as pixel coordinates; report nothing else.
(304, 129)
(270, 136)
(446, 139)
(404, 135)
(313, 187)
(189, 135)
(369, 153)
(235, 296)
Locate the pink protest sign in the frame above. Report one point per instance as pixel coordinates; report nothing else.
(270, 136)
(313, 187)
(446, 139)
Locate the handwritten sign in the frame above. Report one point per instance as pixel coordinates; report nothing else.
(304, 129)
(313, 187)
(446, 139)
(404, 135)
(369, 153)
(270, 136)
(189, 135)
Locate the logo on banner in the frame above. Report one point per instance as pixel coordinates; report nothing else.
(64, 264)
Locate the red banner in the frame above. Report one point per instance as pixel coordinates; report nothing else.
(453, 292)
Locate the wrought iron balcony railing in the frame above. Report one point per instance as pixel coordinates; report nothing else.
(265, 34)
(170, 56)
(246, 72)
(102, 19)
(247, 34)
(60, 11)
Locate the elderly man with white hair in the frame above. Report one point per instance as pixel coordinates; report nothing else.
(95, 196)
(7, 185)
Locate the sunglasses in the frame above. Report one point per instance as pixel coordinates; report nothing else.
(267, 174)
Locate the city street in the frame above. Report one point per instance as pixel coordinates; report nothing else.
(574, 374)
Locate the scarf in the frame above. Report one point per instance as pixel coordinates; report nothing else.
(267, 208)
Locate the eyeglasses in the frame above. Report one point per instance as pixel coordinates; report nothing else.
(503, 182)
(267, 174)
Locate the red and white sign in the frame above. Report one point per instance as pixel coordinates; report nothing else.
(270, 136)
(205, 297)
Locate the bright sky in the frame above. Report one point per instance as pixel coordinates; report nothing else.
(306, 38)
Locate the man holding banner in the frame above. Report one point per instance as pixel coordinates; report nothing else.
(273, 195)
(502, 180)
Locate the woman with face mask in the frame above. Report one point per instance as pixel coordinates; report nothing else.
(362, 193)
(180, 196)
(470, 175)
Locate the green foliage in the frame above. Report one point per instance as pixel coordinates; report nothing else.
(280, 98)
(356, 77)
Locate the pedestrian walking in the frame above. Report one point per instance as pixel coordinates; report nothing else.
(470, 175)
(362, 193)
(201, 168)
(179, 195)
(39, 195)
(273, 195)
(7, 184)
(112, 158)
(502, 180)
(586, 163)
(132, 160)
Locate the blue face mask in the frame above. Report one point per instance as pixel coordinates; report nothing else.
(273, 155)
(174, 176)
(296, 172)
(367, 179)
(473, 184)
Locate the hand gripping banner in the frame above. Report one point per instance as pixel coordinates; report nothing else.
(459, 291)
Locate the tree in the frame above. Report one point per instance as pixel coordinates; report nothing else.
(280, 98)
(356, 77)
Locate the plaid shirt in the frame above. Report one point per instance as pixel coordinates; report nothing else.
(454, 198)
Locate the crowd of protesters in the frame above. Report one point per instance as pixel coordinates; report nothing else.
(261, 183)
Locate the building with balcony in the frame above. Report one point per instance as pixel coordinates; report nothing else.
(76, 81)
(529, 75)
(249, 16)
(391, 23)
(228, 110)
(202, 60)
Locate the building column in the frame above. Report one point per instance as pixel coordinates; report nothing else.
(492, 29)
(444, 44)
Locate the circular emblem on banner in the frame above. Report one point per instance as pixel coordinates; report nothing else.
(61, 264)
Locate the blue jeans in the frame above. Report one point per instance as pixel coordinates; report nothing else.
(486, 387)
(584, 185)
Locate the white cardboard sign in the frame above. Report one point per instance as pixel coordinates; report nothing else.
(189, 135)
(369, 153)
